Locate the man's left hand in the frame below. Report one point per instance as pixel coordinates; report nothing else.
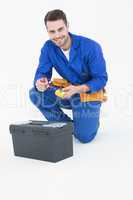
(74, 89)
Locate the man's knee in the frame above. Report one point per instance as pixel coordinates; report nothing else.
(34, 96)
(86, 138)
(45, 99)
(86, 134)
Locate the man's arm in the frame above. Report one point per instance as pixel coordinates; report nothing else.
(97, 68)
(45, 66)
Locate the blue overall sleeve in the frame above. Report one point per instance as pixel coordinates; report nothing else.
(45, 65)
(97, 68)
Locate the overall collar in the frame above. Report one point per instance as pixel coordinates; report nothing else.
(74, 46)
(73, 49)
(74, 40)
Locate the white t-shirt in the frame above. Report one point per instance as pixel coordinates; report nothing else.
(66, 53)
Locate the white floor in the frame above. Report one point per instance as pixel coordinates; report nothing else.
(99, 170)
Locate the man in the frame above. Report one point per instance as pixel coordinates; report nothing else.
(78, 60)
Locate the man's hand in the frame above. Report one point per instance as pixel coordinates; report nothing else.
(74, 89)
(42, 84)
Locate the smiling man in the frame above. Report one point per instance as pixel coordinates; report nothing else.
(58, 33)
(80, 61)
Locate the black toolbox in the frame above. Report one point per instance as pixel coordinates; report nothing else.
(42, 140)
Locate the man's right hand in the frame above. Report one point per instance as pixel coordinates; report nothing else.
(42, 84)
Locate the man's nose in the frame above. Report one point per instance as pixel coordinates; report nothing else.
(57, 34)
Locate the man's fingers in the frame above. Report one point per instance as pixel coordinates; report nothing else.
(66, 89)
(66, 95)
(42, 84)
(43, 80)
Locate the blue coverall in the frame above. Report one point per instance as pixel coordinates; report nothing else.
(85, 66)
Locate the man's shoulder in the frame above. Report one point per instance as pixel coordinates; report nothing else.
(47, 44)
(85, 41)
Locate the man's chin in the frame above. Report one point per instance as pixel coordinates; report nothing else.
(59, 44)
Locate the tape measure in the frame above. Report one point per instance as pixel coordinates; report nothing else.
(60, 93)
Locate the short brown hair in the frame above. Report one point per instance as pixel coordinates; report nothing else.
(54, 15)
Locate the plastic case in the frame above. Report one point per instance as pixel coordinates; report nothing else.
(42, 140)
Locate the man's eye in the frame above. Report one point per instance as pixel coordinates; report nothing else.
(61, 29)
(51, 31)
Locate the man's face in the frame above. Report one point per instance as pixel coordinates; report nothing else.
(58, 32)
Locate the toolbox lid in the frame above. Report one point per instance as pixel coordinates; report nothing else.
(33, 127)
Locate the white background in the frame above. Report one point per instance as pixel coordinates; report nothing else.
(101, 169)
